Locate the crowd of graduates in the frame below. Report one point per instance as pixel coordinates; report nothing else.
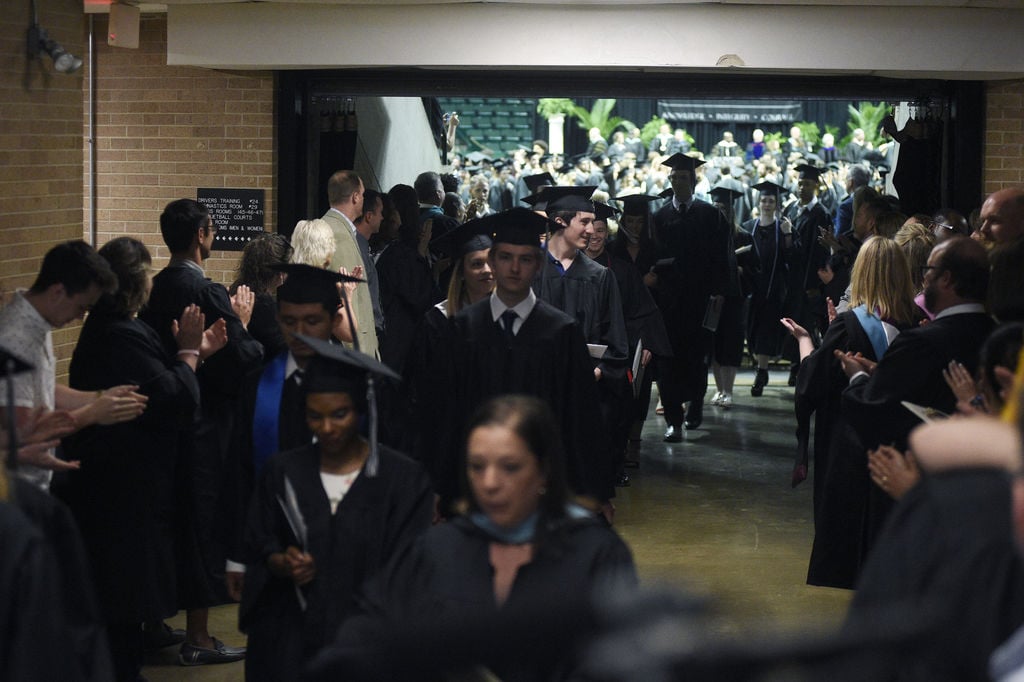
(402, 429)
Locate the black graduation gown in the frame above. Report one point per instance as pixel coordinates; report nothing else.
(126, 495)
(588, 293)
(208, 466)
(698, 240)
(767, 270)
(912, 370)
(439, 597)
(407, 291)
(32, 615)
(427, 373)
(548, 359)
(293, 432)
(264, 327)
(846, 502)
(946, 559)
(74, 593)
(804, 300)
(374, 521)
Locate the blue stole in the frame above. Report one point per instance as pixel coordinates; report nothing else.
(267, 415)
(874, 329)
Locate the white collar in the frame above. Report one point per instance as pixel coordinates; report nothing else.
(961, 309)
(523, 308)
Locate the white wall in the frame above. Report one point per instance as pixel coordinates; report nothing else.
(395, 141)
(921, 42)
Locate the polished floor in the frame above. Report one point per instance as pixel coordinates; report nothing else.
(714, 514)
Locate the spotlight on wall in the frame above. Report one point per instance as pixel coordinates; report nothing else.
(40, 41)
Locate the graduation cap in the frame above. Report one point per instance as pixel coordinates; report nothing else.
(723, 194)
(570, 198)
(472, 235)
(310, 284)
(519, 226)
(832, 165)
(537, 180)
(769, 188)
(636, 204)
(477, 157)
(536, 200)
(682, 162)
(809, 172)
(666, 193)
(336, 369)
(603, 211)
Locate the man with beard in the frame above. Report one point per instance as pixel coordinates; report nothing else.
(955, 285)
(188, 231)
(694, 239)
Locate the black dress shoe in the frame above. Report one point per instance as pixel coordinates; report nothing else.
(760, 381)
(674, 434)
(694, 415)
(190, 654)
(160, 636)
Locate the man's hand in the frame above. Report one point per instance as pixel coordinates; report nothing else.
(855, 362)
(825, 274)
(214, 338)
(645, 357)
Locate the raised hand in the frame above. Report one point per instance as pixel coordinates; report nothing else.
(242, 303)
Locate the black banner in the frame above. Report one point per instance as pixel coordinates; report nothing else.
(730, 111)
(237, 213)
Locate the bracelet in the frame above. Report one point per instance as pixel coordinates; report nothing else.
(188, 351)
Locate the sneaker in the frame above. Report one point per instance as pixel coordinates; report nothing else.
(726, 402)
(220, 653)
(717, 399)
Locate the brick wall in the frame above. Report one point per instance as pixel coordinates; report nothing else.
(1004, 135)
(40, 148)
(162, 132)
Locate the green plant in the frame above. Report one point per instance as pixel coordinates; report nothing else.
(552, 106)
(598, 117)
(868, 117)
(809, 131)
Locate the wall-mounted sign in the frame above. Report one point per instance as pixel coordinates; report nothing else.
(237, 213)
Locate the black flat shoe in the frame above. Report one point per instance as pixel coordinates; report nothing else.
(760, 381)
(674, 434)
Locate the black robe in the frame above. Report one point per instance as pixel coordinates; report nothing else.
(766, 269)
(264, 327)
(805, 301)
(209, 469)
(33, 618)
(548, 359)
(74, 593)
(848, 508)
(126, 495)
(438, 597)
(698, 240)
(375, 520)
(946, 560)
(912, 370)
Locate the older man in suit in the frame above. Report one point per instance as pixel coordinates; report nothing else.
(345, 195)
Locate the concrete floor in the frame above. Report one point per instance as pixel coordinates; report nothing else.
(714, 514)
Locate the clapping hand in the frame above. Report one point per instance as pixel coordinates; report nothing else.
(242, 303)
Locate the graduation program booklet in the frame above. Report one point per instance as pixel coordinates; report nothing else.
(712, 314)
(596, 350)
(638, 369)
(925, 414)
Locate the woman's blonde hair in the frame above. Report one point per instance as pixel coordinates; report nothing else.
(313, 242)
(881, 281)
(917, 242)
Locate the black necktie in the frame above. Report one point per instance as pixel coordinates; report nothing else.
(508, 318)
